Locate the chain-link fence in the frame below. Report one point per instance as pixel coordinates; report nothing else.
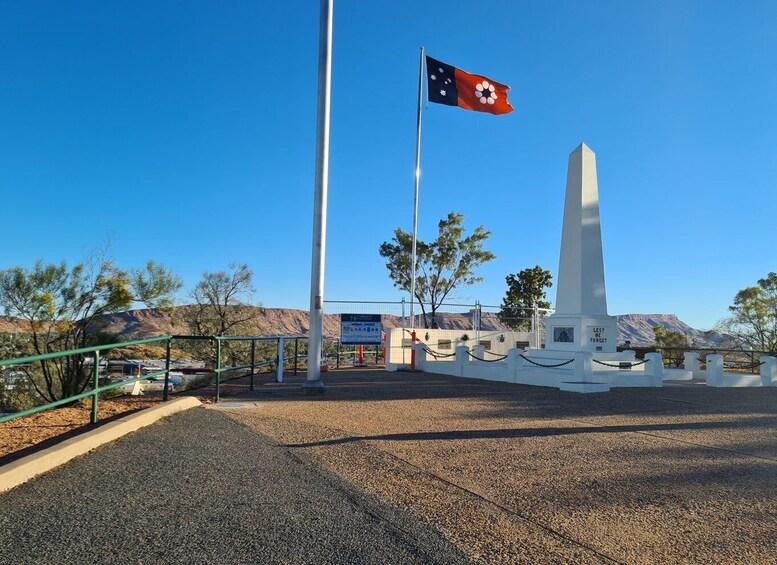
(448, 315)
(483, 322)
(518, 319)
(397, 314)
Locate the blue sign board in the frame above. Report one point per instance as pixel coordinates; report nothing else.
(361, 329)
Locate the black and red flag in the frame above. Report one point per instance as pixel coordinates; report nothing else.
(454, 87)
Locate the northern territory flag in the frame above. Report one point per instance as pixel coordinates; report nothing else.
(454, 87)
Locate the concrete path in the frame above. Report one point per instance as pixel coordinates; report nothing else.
(202, 488)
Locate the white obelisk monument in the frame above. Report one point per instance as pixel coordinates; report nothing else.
(580, 322)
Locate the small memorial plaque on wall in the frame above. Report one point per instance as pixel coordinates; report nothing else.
(564, 334)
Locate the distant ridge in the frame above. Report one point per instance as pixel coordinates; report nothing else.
(639, 329)
(147, 322)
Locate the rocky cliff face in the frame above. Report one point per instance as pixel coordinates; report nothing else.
(9, 325)
(638, 328)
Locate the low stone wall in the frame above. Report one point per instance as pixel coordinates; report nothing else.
(716, 376)
(545, 368)
(398, 342)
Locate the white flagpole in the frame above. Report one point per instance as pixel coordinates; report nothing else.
(313, 382)
(417, 180)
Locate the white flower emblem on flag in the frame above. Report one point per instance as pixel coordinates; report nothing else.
(485, 92)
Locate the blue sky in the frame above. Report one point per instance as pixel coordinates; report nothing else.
(184, 131)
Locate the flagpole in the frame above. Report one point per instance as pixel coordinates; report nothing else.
(313, 382)
(417, 180)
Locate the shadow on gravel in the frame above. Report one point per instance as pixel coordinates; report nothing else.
(544, 432)
(520, 401)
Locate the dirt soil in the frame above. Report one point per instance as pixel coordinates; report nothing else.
(24, 433)
(520, 474)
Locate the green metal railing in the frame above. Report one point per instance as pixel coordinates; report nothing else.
(219, 370)
(96, 389)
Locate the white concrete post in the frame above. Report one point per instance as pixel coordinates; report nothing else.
(630, 354)
(420, 356)
(514, 362)
(654, 368)
(479, 351)
(714, 370)
(769, 370)
(462, 357)
(691, 363)
(583, 366)
(279, 369)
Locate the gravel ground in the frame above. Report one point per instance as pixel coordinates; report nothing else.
(515, 473)
(201, 488)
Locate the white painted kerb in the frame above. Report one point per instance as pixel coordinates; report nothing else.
(26, 468)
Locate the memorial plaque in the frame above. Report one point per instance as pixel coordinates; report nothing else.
(564, 334)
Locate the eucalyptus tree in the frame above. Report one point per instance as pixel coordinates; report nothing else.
(752, 319)
(447, 263)
(223, 305)
(673, 345)
(64, 308)
(525, 290)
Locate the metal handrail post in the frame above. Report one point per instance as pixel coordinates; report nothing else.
(402, 337)
(253, 362)
(218, 369)
(476, 321)
(279, 370)
(95, 385)
(166, 393)
(296, 354)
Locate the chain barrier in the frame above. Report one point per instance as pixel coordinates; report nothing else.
(502, 358)
(437, 354)
(545, 366)
(618, 366)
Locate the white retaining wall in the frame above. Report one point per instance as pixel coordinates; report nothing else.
(516, 369)
(583, 370)
(715, 375)
(499, 343)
